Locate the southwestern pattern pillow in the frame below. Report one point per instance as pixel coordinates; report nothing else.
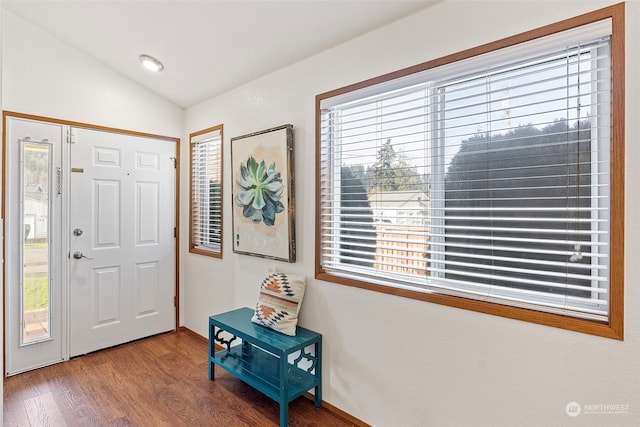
(279, 302)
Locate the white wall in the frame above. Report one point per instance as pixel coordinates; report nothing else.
(392, 361)
(389, 361)
(44, 76)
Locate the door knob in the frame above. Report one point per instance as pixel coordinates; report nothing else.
(80, 255)
(77, 232)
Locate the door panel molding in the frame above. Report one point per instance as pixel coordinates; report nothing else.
(144, 161)
(126, 212)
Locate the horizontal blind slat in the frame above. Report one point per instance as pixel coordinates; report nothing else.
(506, 180)
(206, 213)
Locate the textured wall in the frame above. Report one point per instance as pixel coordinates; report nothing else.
(392, 361)
(44, 76)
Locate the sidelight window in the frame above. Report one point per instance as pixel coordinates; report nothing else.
(35, 206)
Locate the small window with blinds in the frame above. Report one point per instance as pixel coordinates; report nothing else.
(484, 183)
(206, 192)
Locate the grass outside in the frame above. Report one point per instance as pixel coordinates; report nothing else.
(36, 245)
(36, 293)
(36, 282)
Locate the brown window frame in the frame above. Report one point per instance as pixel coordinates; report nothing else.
(614, 328)
(193, 247)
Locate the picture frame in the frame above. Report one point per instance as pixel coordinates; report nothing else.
(263, 196)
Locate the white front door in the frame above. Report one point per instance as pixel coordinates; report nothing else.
(122, 243)
(33, 244)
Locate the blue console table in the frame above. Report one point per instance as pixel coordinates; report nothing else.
(278, 365)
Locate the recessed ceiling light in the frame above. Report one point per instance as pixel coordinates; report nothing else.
(151, 63)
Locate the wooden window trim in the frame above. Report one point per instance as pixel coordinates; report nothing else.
(192, 248)
(614, 328)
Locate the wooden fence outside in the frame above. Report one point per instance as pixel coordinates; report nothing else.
(400, 251)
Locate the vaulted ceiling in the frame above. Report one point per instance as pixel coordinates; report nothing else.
(207, 46)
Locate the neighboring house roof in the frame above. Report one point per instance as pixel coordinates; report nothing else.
(399, 207)
(36, 192)
(41, 198)
(399, 200)
(34, 188)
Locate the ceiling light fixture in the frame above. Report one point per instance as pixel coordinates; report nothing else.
(151, 63)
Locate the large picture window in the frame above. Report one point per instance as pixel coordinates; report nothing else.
(485, 183)
(206, 192)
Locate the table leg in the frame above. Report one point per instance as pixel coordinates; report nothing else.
(284, 414)
(211, 352)
(284, 391)
(317, 400)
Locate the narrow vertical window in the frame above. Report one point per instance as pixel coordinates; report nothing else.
(206, 192)
(35, 165)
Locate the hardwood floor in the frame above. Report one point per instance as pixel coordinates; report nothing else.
(158, 381)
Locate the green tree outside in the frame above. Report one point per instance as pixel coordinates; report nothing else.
(392, 172)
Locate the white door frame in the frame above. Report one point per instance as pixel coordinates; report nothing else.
(39, 350)
(65, 228)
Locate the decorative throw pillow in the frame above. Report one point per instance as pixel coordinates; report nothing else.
(279, 302)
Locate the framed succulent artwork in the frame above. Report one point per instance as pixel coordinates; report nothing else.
(263, 194)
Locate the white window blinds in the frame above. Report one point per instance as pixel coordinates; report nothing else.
(487, 180)
(206, 191)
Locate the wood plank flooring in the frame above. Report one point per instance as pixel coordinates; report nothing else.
(158, 381)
